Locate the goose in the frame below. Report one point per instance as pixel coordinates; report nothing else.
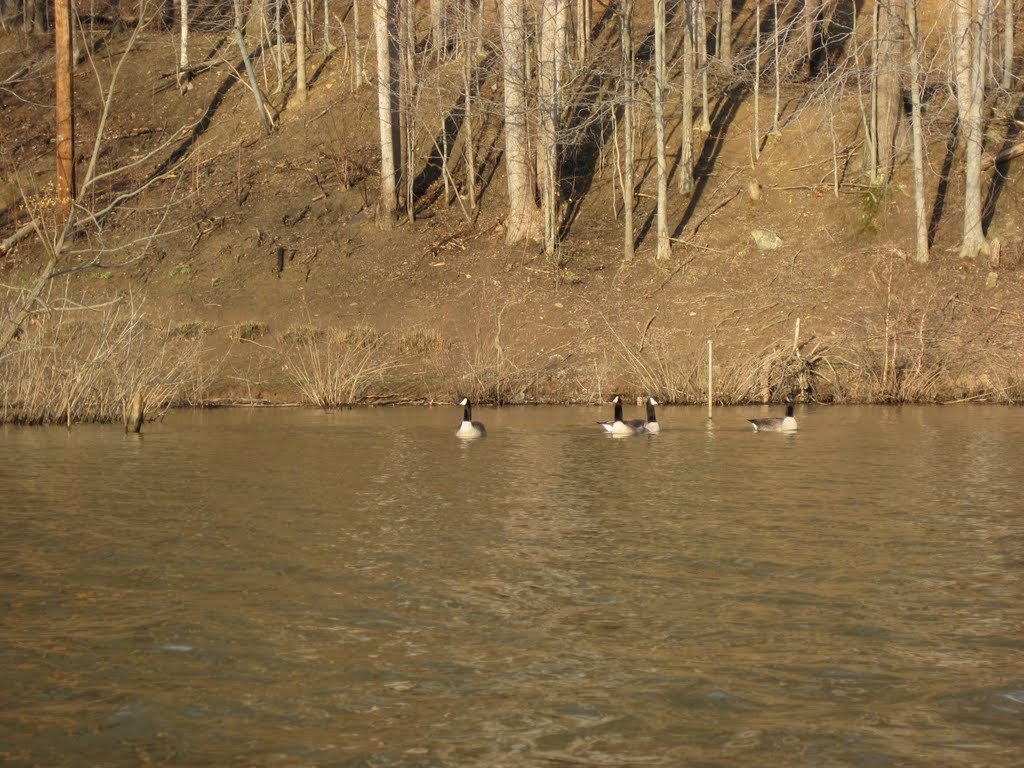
(620, 427)
(469, 428)
(652, 420)
(785, 423)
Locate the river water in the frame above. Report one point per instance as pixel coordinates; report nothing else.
(361, 588)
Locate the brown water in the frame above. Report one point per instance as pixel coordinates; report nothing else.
(361, 588)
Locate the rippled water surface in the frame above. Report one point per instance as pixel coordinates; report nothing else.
(361, 588)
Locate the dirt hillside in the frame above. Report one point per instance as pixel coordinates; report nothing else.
(268, 253)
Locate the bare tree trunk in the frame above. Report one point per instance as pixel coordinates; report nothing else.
(387, 110)
(757, 80)
(357, 46)
(664, 245)
(65, 113)
(409, 91)
(468, 64)
(1007, 80)
(812, 12)
(889, 102)
(438, 27)
(970, 86)
(300, 52)
(627, 66)
(685, 178)
(921, 252)
(278, 47)
(584, 23)
(552, 31)
(724, 32)
(702, 65)
(523, 222)
(184, 77)
(776, 128)
(254, 84)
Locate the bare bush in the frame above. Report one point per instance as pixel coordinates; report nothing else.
(88, 365)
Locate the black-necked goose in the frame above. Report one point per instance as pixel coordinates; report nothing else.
(652, 420)
(469, 428)
(620, 427)
(785, 423)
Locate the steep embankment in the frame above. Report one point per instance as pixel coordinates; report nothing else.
(269, 261)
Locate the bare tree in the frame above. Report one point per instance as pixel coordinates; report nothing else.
(812, 16)
(660, 83)
(627, 75)
(183, 73)
(685, 177)
(702, 64)
(724, 32)
(300, 52)
(357, 51)
(384, 19)
(553, 39)
(921, 252)
(523, 221)
(1007, 79)
(970, 89)
(888, 99)
(64, 110)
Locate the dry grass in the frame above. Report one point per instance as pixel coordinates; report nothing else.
(339, 368)
(249, 331)
(88, 365)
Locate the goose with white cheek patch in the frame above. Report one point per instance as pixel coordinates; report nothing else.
(469, 428)
(652, 419)
(620, 427)
(785, 423)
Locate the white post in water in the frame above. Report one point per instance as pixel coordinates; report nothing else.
(711, 398)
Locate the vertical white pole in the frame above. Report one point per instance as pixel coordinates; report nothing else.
(711, 398)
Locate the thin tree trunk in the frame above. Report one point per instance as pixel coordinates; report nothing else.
(438, 32)
(278, 47)
(812, 10)
(65, 114)
(387, 110)
(468, 65)
(702, 64)
(757, 80)
(523, 222)
(552, 31)
(685, 177)
(357, 49)
(921, 252)
(889, 99)
(184, 77)
(300, 52)
(970, 82)
(254, 84)
(664, 245)
(1007, 80)
(776, 128)
(628, 69)
(724, 32)
(409, 91)
(584, 23)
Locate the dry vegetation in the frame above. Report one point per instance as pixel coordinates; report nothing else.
(265, 279)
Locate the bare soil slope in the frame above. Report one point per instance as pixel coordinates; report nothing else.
(270, 248)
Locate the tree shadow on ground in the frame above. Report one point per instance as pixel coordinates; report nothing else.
(944, 177)
(1002, 167)
(443, 144)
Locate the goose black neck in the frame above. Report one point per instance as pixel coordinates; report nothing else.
(789, 409)
(467, 413)
(650, 411)
(618, 410)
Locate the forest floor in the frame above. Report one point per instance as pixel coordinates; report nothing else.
(270, 257)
